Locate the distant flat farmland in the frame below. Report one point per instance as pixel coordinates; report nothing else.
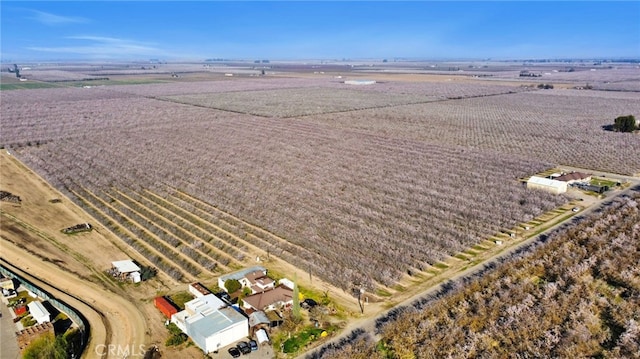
(297, 102)
(559, 126)
(360, 186)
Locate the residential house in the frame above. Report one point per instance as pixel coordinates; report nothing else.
(253, 277)
(279, 297)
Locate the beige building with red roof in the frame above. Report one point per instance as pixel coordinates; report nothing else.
(574, 177)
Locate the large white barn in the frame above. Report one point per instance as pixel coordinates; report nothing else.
(547, 184)
(210, 323)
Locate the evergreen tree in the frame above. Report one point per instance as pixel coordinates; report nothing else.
(296, 300)
(625, 124)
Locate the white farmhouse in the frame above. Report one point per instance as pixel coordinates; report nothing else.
(253, 277)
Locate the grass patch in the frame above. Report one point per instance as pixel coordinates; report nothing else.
(28, 321)
(26, 86)
(461, 256)
(180, 298)
(441, 265)
(470, 253)
(383, 292)
(399, 288)
(301, 339)
(22, 295)
(115, 82)
(479, 248)
(603, 182)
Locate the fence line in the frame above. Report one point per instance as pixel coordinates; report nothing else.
(76, 317)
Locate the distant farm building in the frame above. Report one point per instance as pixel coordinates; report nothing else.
(165, 306)
(39, 313)
(546, 184)
(574, 177)
(360, 82)
(592, 188)
(210, 323)
(126, 269)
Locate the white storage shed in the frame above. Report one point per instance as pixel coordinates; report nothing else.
(39, 312)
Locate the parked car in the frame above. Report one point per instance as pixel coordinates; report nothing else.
(575, 209)
(244, 347)
(234, 352)
(308, 303)
(253, 344)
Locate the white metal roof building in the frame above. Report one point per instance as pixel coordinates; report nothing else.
(213, 329)
(39, 312)
(262, 336)
(210, 323)
(125, 266)
(547, 184)
(209, 301)
(360, 82)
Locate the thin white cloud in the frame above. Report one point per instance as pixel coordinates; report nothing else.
(53, 19)
(103, 47)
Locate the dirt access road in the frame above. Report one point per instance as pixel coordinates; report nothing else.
(368, 320)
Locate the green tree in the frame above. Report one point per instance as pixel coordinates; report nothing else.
(232, 285)
(46, 347)
(177, 337)
(625, 124)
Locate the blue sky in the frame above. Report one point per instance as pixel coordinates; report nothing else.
(279, 30)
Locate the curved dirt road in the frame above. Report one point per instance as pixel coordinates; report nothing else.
(118, 328)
